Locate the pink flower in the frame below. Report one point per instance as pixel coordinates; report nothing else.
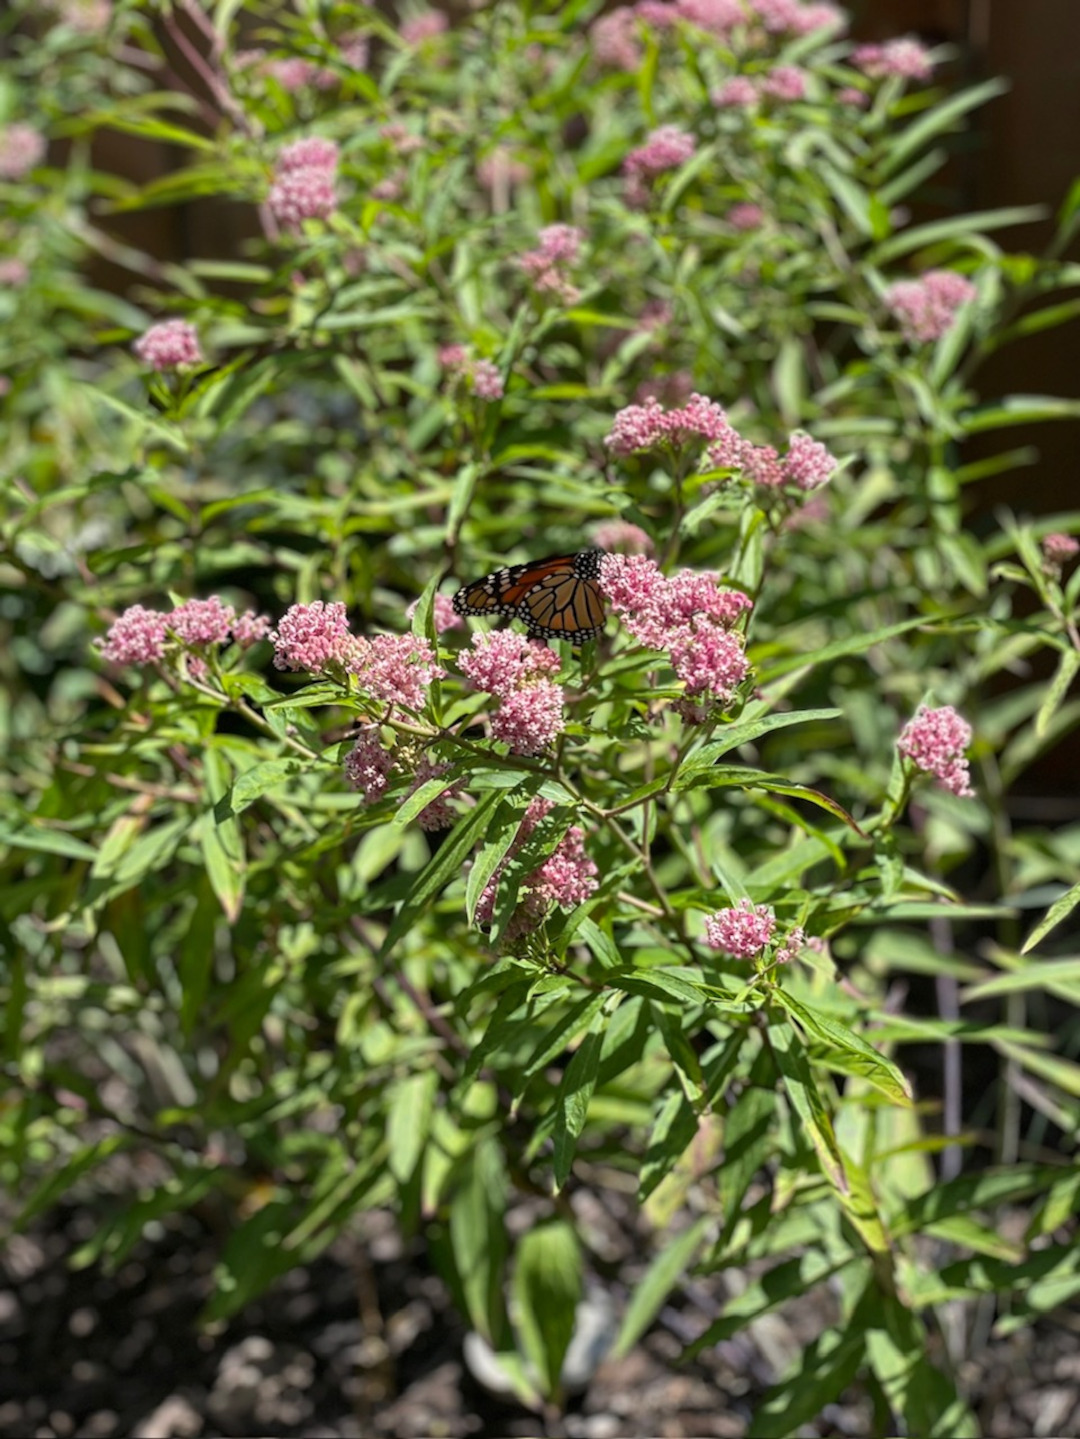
(501, 170)
(443, 614)
(935, 741)
(792, 945)
(746, 216)
(1058, 549)
(665, 149)
(622, 535)
(438, 814)
(738, 92)
(566, 878)
(614, 42)
(313, 637)
(311, 153)
(818, 17)
(306, 194)
(501, 662)
(695, 594)
(396, 668)
(202, 622)
(423, 27)
(807, 464)
(368, 764)
(650, 427)
(293, 73)
(904, 58)
(785, 83)
(487, 382)
(135, 637)
(13, 273)
(21, 148)
(400, 139)
(546, 265)
(717, 16)
(453, 357)
(709, 661)
(88, 17)
(851, 95)
(390, 188)
(531, 719)
(926, 307)
(742, 930)
(249, 628)
(777, 16)
(759, 463)
(169, 345)
(353, 50)
(657, 13)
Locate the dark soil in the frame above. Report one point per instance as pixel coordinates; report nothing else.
(364, 1342)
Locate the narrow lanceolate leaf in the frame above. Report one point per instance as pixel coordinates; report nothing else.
(500, 836)
(46, 841)
(221, 839)
(478, 1238)
(572, 1100)
(547, 1287)
(748, 1145)
(939, 119)
(784, 1281)
(1060, 908)
(1058, 688)
(806, 1100)
(731, 736)
(253, 784)
(447, 862)
(412, 1102)
(896, 1343)
(563, 1033)
(824, 1371)
(661, 1277)
(874, 1067)
(851, 645)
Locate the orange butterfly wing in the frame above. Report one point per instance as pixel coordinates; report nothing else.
(556, 598)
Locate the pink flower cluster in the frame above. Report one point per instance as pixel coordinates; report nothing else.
(423, 27)
(746, 216)
(21, 148)
(168, 345)
(1058, 549)
(935, 741)
(566, 878)
(313, 637)
(926, 307)
(806, 466)
(615, 37)
(369, 765)
(665, 149)
(650, 426)
(546, 266)
(742, 930)
(397, 669)
(140, 636)
(515, 671)
(690, 617)
(903, 58)
(305, 176)
(739, 92)
(14, 272)
(483, 377)
(784, 83)
(438, 814)
(622, 535)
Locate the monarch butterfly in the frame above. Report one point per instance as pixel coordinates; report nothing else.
(557, 598)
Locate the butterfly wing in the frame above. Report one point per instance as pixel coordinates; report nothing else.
(556, 598)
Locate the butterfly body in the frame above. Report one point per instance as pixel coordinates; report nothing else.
(555, 598)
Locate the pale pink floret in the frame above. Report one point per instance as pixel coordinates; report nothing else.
(1058, 549)
(759, 463)
(398, 669)
(709, 661)
(135, 637)
(313, 152)
(935, 741)
(453, 357)
(904, 58)
(658, 14)
(486, 381)
(818, 17)
(168, 345)
(807, 464)
(789, 17)
(695, 594)
(926, 307)
(622, 535)
(739, 92)
(21, 149)
(14, 273)
(291, 73)
(501, 662)
(306, 194)
(423, 27)
(717, 16)
(531, 719)
(443, 614)
(353, 49)
(368, 764)
(785, 83)
(746, 216)
(546, 265)
(311, 637)
(249, 628)
(792, 945)
(650, 427)
(202, 622)
(851, 95)
(665, 149)
(637, 591)
(500, 169)
(743, 930)
(401, 139)
(614, 40)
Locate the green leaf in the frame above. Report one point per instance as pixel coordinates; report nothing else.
(851, 197)
(1062, 906)
(663, 1274)
(852, 645)
(1068, 665)
(411, 1105)
(572, 1100)
(254, 783)
(674, 1128)
(478, 1238)
(444, 864)
(935, 121)
(547, 1287)
(822, 1373)
(748, 1144)
(562, 1034)
(874, 1067)
(792, 1278)
(957, 227)
(46, 841)
(1058, 975)
(732, 736)
(806, 1100)
(501, 834)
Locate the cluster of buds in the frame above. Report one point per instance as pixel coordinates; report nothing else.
(304, 185)
(565, 879)
(546, 266)
(482, 378)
